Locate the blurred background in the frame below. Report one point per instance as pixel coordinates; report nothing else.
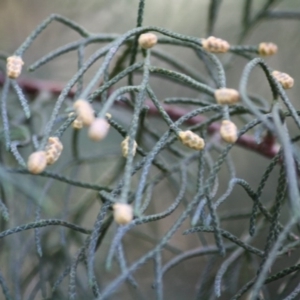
(19, 18)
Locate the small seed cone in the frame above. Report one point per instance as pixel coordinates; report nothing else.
(267, 49)
(147, 40)
(125, 149)
(228, 132)
(191, 140)
(14, 66)
(108, 115)
(77, 124)
(53, 150)
(284, 79)
(98, 129)
(37, 162)
(123, 213)
(226, 96)
(215, 45)
(84, 111)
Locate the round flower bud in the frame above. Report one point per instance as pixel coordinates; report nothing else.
(228, 132)
(14, 66)
(53, 150)
(98, 129)
(267, 49)
(147, 40)
(191, 140)
(124, 147)
(123, 213)
(215, 45)
(227, 96)
(84, 111)
(37, 162)
(284, 79)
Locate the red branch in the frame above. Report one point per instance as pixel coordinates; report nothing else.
(267, 147)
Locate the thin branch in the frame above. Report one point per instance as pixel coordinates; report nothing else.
(266, 148)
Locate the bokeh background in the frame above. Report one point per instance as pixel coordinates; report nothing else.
(19, 18)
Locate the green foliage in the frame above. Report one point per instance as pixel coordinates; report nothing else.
(235, 263)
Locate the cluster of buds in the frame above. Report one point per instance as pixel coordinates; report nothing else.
(38, 161)
(228, 131)
(98, 127)
(267, 49)
(14, 66)
(125, 148)
(53, 150)
(123, 213)
(191, 140)
(84, 111)
(226, 96)
(284, 79)
(147, 40)
(215, 45)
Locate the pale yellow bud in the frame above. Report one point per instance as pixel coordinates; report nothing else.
(14, 66)
(267, 49)
(125, 149)
(37, 162)
(226, 96)
(98, 129)
(123, 213)
(215, 45)
(191, 140)
(53, 150)
(228, 132)
(84, 111)
(147, 40)
(284, 79)
(77, 123)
